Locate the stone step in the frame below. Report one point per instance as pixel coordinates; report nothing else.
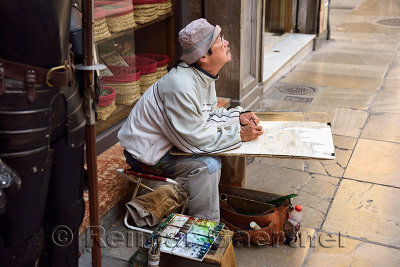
(284, 56)
(280, 57)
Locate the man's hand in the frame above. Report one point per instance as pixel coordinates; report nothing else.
(248, 118)
(250, 132)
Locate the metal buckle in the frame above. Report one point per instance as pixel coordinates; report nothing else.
(49, 84)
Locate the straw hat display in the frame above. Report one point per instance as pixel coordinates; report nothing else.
(119, 14)
(126, 82)
(145, 10)
(147, 68)
(100, 28)
(162, 63)
(106, 103)
(163, 7)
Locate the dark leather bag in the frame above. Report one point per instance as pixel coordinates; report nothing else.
(275, 228)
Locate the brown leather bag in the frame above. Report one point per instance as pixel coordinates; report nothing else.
(275, 228)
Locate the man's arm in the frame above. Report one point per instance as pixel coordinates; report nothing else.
(222, 117)
(189, 132)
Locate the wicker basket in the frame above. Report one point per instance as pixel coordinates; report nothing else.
(163, 7)
(106, 103)
(147, 68)
(146, 81)
(100, 28)
(145, 10)
(162, 63)
(161, 71)
(119, 15)
(126, 82)
(104, 112)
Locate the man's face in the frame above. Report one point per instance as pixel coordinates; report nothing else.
(220, 52)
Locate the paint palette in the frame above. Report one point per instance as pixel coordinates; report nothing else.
(186, 236)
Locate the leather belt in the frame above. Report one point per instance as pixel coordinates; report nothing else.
(32, 75)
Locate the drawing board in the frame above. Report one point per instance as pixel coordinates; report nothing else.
(287, 134)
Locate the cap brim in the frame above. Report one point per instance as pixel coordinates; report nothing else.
(217, 31)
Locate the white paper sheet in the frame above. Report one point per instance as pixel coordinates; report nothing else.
(291, 138)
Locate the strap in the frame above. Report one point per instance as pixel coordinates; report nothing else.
(2, 89)
(271, 222)
(57, 76)
(31, 84)
(282, 199)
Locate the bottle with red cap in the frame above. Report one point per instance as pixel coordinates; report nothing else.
(295, 215)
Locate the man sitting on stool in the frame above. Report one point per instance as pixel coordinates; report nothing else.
(181, 110)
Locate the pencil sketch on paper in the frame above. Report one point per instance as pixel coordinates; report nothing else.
(291, 138)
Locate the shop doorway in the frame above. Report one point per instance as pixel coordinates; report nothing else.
(278, 21)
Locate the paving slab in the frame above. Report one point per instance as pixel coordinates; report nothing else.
(387, 102)
(86, 261)
(326, 96)
(315, 198)
(366, 211)
(383, 127)
(396, 61)
(345, 4)
(337, 16)
(333, 80)
(343, 148)
(120, 242)
(393, 73)
(350, 252)
(377, 7)
(375, 161)
(274, 179)
(346, 122)
(351, 58)
(346, 46)
(366, 27)
(392, 85)
(275, 256)
(315, 191)
(368, 39)
(342, 69)
(344, 41)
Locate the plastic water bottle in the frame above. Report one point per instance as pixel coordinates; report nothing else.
(295, 215)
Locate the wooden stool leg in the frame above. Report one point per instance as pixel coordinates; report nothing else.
(139, 182)
(136, 181)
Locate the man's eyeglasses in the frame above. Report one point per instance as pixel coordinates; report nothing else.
(220, 40)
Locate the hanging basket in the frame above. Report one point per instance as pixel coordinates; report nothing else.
(147, 68)
(162, 63)
(126, 82)
(119, 14)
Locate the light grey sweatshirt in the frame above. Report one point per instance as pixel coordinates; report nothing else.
(180, 109)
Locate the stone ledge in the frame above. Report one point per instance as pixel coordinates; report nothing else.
(112, 187)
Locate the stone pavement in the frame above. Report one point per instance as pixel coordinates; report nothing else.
(351, 204)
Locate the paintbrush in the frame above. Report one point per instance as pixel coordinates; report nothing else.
(148, 176)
